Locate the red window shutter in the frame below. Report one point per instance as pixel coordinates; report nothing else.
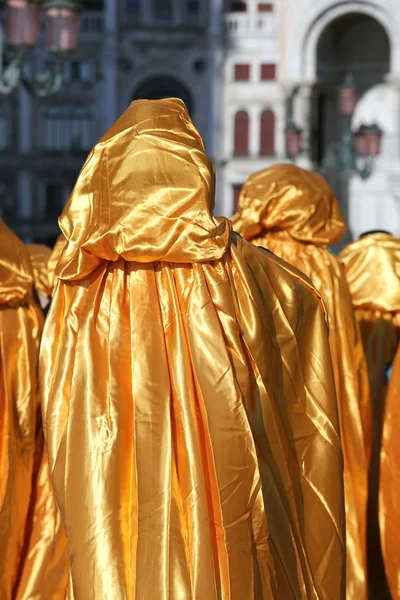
(267, 141)
(268, 72)
(242, 72)
(237, 188)
(241, 144)
(265, 7)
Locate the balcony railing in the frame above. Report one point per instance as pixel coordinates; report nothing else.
(243, 25)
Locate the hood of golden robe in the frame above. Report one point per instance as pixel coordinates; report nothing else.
(16, 274)
(145, 193)
(288, 198)
(372, 266)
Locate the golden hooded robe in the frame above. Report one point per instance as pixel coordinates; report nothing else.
(389, 497)
(34, 561)
(188, 397)
(372, 266)
(294, 214)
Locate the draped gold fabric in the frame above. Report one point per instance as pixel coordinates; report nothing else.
(389, 505)
(53, 260)
(187, 390)
(372, 267)
(294, 213)
(39, 256)
(29, 564)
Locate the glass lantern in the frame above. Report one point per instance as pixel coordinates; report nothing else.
(62, 25)
(23, 22)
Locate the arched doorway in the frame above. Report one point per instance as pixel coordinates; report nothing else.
(352, 43)
(156, 88)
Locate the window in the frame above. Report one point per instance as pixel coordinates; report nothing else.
(242, 72)
(265, 7)
(80, 70)
(162, 10)
(67, 130)
(80, 129)
(55, 130)
(268, 72)
(54, 200)
(237, 188)
(267, 138)
(238, 6)
(241, 133)
(86, 70)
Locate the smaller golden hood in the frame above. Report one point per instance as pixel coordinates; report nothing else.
(372, 266)
(145, 193)
(288, 198)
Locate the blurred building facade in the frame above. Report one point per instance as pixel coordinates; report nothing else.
(235, 64)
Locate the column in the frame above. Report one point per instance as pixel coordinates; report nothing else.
(306, 103)
(25, 210)
(110, 64)
(255, 131)
(216, 69)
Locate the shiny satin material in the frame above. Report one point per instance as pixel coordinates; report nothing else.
(294, 214)
(53, 260)
(187, 390)
(33, 560)
(372, 266)
(39, 256)
(389, 499)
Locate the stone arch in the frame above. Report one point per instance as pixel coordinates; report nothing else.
(164, 86)
(304, 33)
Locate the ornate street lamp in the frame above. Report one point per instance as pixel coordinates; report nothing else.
(23, 19)
(356, 151)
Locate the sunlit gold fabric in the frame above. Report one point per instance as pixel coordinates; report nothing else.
(53, 260)
(372, 267)
(39, 256)
(294, 213)
(389, 501)
(29, 566)
(187, 391)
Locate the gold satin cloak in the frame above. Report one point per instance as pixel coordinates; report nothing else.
(294, 214)
(389, 498)
(372, 266)
(33, 564)
(187, 389)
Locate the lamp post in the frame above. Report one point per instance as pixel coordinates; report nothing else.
(23, 20)
(353, 154)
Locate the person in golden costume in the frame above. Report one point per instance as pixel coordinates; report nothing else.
(372, 266)
(188, 396)
(294, 213)
(29, 567)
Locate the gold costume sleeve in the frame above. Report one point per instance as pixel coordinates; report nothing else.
(39, 256)
(188, 395)
(295, 215)
(52, 262)
(372, 266)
